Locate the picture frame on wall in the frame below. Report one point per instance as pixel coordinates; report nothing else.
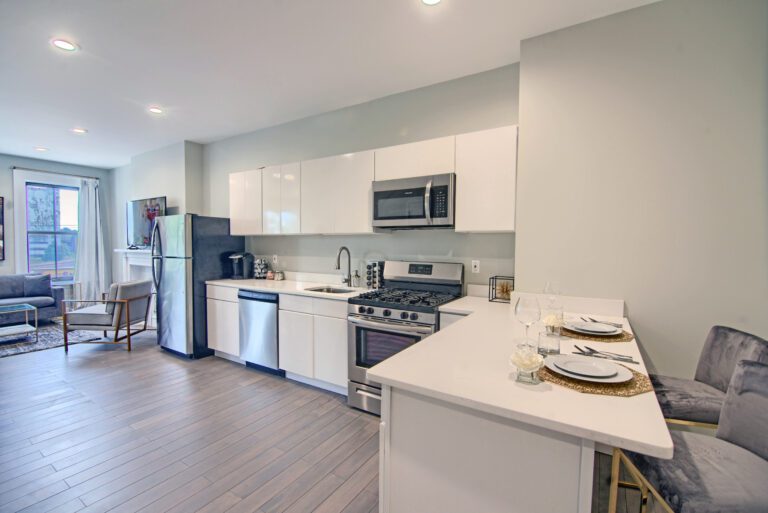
(2, 228)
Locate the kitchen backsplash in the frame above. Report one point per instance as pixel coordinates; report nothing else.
(317, 253)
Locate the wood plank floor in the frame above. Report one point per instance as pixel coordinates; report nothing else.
(106, 430)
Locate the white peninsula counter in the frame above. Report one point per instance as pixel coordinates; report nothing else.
(459, 434)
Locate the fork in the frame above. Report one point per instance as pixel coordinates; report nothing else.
(606, 356)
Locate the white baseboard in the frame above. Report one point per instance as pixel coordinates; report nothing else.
(317, 383)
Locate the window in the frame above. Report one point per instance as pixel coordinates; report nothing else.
(52, 230)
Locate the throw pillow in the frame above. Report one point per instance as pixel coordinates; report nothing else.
(37, 285)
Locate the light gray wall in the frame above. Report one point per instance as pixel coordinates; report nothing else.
(6, 191)
(643, 170)
(485, 100)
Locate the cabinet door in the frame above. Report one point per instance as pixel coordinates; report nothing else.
(486, 166)
(331, 350)
(245, 203)
(352, 189)
(223, 326)
(295, 343)
(271, 185)
(318, 182)
(431, 157)
(290, 198)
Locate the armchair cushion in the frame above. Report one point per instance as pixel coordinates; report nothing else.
(687, 399)
(94, 315)
(138, 308)
(37, 285)
(707, 475)
(38, 301)
(112, 295)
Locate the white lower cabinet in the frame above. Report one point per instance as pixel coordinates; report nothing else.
(331, 350)
(296, 343)
(313, 339)
(223, 326)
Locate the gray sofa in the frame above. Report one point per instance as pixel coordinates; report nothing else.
(33, 289)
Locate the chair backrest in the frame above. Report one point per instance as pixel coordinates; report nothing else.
(744, 417)
(723, 349)
(138, 308)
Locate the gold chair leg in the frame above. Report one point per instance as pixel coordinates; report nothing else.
(613, 497)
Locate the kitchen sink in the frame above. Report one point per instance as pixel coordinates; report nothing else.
(329, 290)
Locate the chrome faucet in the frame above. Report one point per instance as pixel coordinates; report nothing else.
(347, 277)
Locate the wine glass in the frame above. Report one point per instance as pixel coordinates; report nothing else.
(527, 312)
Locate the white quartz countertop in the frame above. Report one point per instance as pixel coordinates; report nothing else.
(297, 288)
(467, 364)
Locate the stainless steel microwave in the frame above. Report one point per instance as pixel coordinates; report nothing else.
(419, 202)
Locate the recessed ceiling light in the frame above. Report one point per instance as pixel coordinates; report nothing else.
(430, 2)
(79, 130)
(154, 109)
(41, 149)
(63, 44)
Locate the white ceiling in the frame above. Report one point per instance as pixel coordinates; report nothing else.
(225, 67)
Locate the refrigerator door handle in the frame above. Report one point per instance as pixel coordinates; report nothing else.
(156, 246)
(157, 273)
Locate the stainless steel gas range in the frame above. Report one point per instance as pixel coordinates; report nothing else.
(387, 320)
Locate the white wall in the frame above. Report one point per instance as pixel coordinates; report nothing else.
(643, 169)
(484, 100)
(174, 171)
(8, 266)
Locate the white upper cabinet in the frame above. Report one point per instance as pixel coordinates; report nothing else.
(290, 198)
(317, 195)
(281, 198)
(245, 203)
(354, 175)
(423, 158)
(271, 184)
(336, 194)
(486, 167)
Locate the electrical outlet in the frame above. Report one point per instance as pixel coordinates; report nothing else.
(274, 259)
(475, 266)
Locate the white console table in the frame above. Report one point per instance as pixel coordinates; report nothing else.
(136, 264)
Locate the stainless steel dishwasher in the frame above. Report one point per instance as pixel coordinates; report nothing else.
(258, 330)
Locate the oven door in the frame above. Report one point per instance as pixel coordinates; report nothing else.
(371, 342)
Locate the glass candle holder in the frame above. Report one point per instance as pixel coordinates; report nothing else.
(528, 361)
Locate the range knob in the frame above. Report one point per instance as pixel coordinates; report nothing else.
(414, 316)
(387, 313)
(369, 311)
(361, 309)
(404, 315)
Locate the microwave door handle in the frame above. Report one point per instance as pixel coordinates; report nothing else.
(428, 202)
(394, 328)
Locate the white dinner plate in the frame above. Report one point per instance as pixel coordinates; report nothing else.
(587, 367)
(593, 328)
(622, 373)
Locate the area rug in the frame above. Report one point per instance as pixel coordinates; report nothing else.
(51, 336)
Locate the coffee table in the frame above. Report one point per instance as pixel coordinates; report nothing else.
(21, 328)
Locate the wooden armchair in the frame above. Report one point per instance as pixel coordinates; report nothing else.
(125, 304)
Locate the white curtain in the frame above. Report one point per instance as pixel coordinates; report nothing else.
(91, 265)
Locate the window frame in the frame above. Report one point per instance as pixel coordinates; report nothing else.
(21, 177)
(55, 278)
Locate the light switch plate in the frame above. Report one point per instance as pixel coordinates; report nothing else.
(274, 259)
(475, 266)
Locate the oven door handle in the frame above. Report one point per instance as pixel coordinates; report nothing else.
(392, 327)
(428, 202)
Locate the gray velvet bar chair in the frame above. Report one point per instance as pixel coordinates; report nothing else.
(126, 304)
(698, 401)
(721, 474)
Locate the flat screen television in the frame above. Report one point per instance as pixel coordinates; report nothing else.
(140, 217)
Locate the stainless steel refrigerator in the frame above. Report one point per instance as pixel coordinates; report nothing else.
(188, 250)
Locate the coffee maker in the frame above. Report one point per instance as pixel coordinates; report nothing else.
(241, 265)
